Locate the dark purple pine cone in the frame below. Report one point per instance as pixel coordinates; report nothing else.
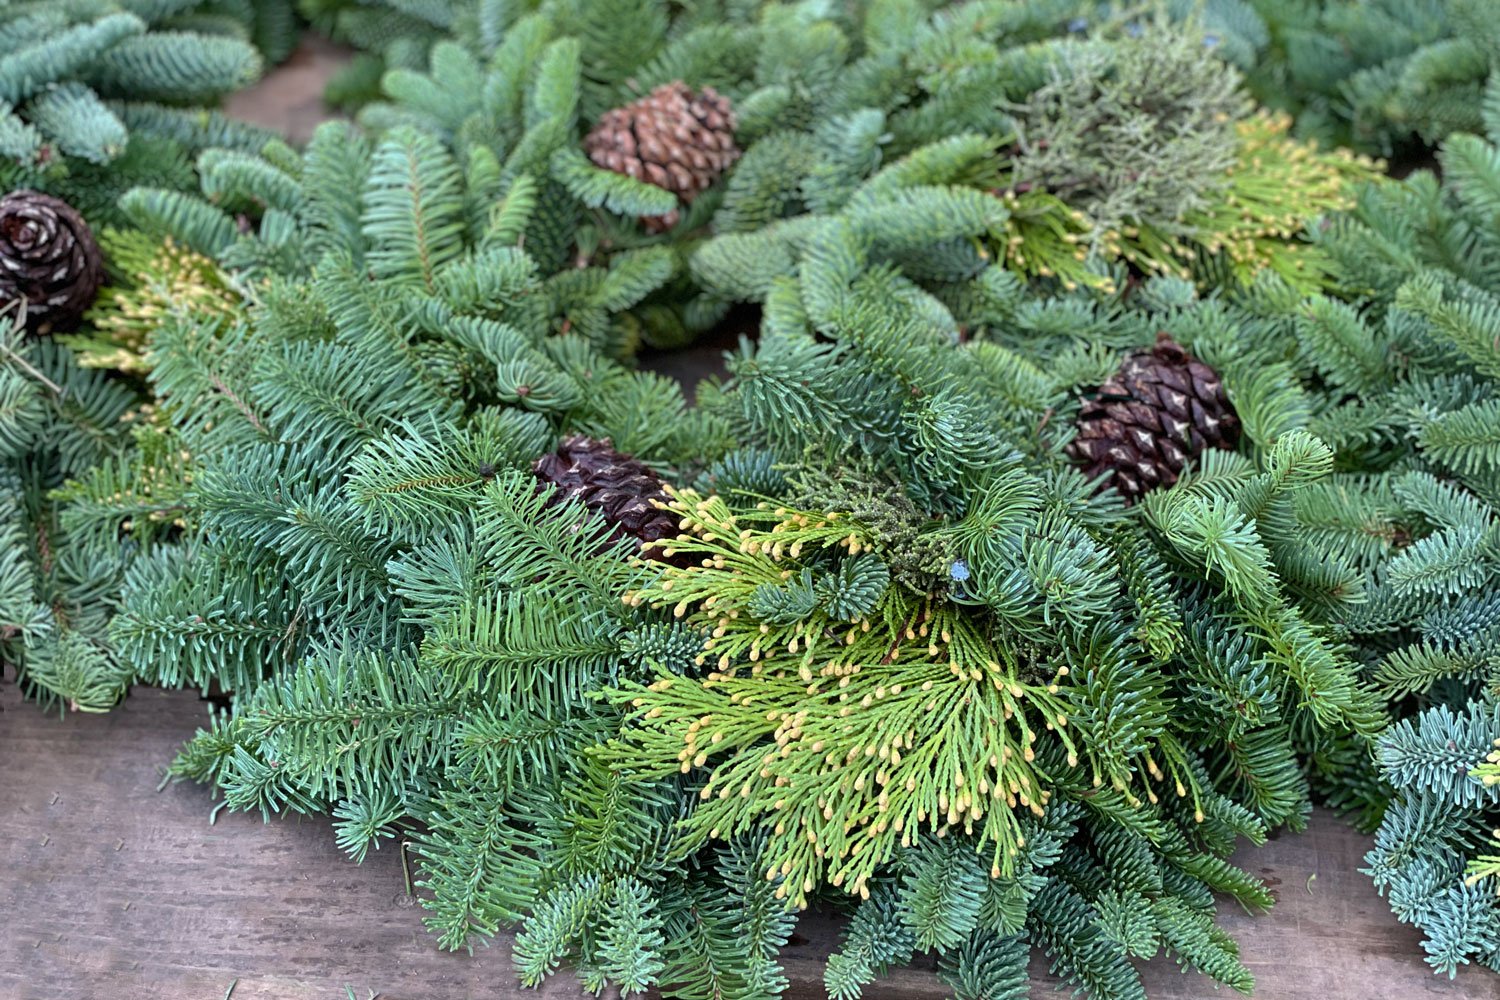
(672, 138)
(48, 257)
(618, 487)
(1161, 410)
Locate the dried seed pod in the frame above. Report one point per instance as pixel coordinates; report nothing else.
(673, 138)
(1161, 410)
(618, 487)
(49, 259)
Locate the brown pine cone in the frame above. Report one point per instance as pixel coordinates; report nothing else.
(1159, 412)
(48, 257)
(671, 138)
(616, 486)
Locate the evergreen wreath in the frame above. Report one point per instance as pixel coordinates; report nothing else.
(353, 443)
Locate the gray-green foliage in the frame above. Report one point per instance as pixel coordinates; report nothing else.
(1439, 813)
(1423, 434)
(1134, 132)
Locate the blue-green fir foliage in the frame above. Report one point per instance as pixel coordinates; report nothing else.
(1378, 74)
(96, 96)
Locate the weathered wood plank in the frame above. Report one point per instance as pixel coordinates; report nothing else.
(111, 888)
(289, 99)
(110, 883)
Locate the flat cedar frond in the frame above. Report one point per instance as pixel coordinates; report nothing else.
(1276, 187)
(172, 281)
(852, 734)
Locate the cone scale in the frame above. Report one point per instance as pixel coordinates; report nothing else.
(672, 138)
(621, 489)
(48, 261)
(1158, 413)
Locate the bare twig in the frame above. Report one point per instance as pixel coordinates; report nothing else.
(31, 370)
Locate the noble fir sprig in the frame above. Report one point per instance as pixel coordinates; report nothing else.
(97, 97)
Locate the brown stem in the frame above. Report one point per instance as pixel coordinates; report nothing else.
(27, 367)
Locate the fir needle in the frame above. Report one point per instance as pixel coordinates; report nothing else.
(233, 983)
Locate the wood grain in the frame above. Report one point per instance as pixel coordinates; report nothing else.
(289, 99)
(113, 888)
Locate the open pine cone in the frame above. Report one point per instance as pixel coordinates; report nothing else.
(618, 487)
(1161, 410)
(672, 138)
(48, 257)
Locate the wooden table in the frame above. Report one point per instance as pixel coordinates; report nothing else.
(113, 888)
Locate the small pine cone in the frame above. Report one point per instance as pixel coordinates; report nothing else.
(1161, 410)
(48, 257)
(615, 485)
(671, 138)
